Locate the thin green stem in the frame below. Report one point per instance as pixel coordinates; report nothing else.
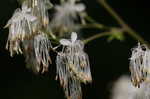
(127, 28)
(94, 25)
(96, 37)
(90, 19)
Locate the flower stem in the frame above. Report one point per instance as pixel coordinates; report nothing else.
(96, 37)
(127, 28)
(95, 23)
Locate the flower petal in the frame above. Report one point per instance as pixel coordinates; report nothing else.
(65, 42)
(73, 37)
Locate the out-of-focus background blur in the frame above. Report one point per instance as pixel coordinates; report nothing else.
(109, 60)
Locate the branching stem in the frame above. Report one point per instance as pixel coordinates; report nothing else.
(127, 28)
(96, 37)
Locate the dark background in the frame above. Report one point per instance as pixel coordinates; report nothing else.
(108, 60)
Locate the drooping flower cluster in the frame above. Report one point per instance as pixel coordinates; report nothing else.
(37, 53)
(29, 34)
(73, 66)
(22, 24)
(139, 64)
(33, 16)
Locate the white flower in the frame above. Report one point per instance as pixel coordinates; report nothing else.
(137, 64)
(70, 8)
(66, 42)
(66, 15)
(37, 53)
(22, 24)
(42, 46)
(76, 59)
(73, 67)
(76, 45)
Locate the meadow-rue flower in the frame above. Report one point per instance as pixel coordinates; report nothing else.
(22, 24)
(73, 67)
(70, 8)
(37, 53)
(138, 62)
(42, 46)
(65, 16)
(76, 58)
